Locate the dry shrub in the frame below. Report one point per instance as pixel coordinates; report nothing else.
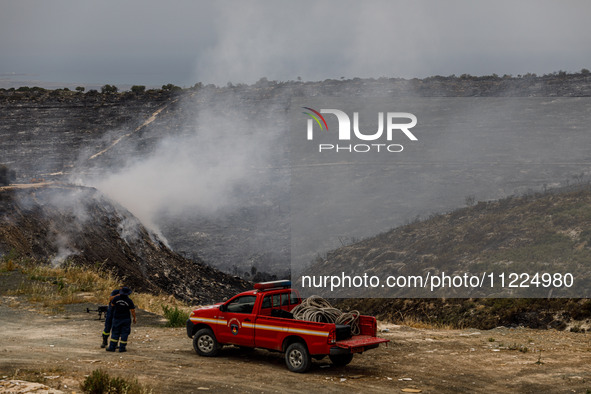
(53, 287)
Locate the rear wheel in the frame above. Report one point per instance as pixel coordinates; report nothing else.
(205, 344)
(297, 358)
(341, 360)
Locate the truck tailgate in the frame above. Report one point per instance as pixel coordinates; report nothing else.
(360, 343)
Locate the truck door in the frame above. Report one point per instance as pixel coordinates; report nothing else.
(239, 322)
(269, 332)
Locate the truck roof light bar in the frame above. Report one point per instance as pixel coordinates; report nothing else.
(277, 284)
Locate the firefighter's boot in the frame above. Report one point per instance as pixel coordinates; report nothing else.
(122, 346)
(105, 341)
(112, 346)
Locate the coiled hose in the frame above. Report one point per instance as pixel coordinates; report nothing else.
(317, 309)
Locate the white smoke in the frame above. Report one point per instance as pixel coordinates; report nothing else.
(219, 162)
(64, 249)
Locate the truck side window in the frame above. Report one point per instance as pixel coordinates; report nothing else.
(243, 304)
(276, 300)
(284, 299)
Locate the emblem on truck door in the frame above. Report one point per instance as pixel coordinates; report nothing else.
(234, 325)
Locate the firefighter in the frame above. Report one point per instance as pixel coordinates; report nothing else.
(122, 306)
(109, 318)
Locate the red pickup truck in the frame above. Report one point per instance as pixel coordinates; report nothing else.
(260, 318)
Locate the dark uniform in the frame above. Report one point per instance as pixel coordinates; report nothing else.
(109, 319)
(123, 308)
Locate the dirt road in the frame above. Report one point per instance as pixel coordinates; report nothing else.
(60, 350)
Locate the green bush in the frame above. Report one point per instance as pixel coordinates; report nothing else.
(109, 89)
(138, 88)
(171, 88)
(99, 382)
(175, 316)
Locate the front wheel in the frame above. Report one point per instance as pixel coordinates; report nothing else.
(341, 360)
(297, 358)
(205, 344)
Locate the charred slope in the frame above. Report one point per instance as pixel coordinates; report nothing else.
(62, 222)
(518, 234)
(541, 232)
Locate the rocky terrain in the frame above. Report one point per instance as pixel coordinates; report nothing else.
(62, 223)
(59, 351)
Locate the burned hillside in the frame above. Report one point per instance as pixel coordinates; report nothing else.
(538, 232)
(242, 226)
(65, 224)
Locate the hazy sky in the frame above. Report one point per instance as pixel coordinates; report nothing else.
(183, 42)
